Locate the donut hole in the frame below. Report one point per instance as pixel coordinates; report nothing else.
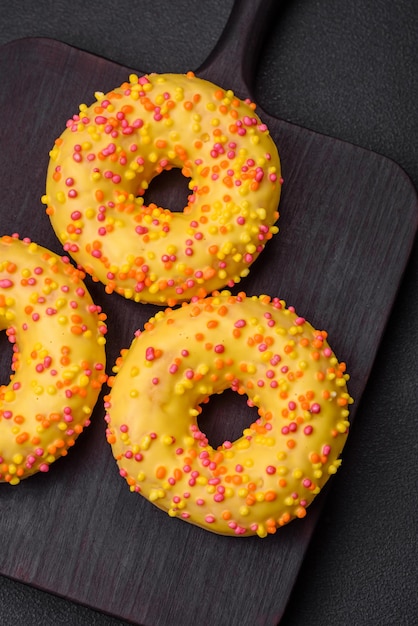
(6, 356)
(169, 190)
(225, 416)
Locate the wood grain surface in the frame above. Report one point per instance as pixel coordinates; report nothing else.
(345, 213)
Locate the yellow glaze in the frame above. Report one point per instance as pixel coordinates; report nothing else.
(58, 364)
(104, 161)
(259, 348)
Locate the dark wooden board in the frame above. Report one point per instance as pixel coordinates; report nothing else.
(348, 220)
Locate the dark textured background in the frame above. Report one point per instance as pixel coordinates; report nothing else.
(349, 70)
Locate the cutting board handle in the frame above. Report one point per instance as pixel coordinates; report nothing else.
(232, 63)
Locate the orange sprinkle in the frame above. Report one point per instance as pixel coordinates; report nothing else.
(269, 496)
(160, 472)
(314, 458)
(22, 437)
(218, 457)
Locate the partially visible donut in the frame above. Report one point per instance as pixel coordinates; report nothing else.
(103, 162)
(58, 364)
(256, 347)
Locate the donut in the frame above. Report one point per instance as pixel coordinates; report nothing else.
(58, 362)
(261, 349)
(102, 164)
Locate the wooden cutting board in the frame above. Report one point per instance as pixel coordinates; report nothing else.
(348, 221)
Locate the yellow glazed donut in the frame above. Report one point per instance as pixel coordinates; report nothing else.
(104, 161)
(58, 364)
(254, 346)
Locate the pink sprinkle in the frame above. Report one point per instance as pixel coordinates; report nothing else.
(219, 348)
(210, 519)
(240, 324)
(5, 283)
(150, 354)
(308, 430)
